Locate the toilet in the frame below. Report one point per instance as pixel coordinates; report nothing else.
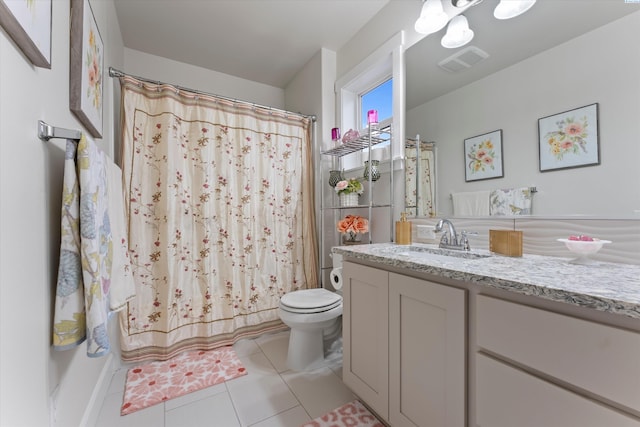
(311, 314)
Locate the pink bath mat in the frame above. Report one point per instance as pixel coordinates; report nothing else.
(353, 414)
(156, 382)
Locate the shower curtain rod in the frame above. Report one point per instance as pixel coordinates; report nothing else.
(117, 73)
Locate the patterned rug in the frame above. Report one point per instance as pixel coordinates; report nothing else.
(353, 414)
(156, 382)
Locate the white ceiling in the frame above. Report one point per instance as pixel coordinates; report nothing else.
(548, 23)
(269, 41)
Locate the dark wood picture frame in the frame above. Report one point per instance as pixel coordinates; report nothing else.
(483, 156)
(569, 139)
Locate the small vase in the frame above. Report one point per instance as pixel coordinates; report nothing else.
(349, 199)
(335, 177)
(375, 172)
(351, 238)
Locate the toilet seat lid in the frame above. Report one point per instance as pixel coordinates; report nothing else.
(318, 299)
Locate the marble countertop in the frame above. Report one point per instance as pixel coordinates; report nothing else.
(608, 287)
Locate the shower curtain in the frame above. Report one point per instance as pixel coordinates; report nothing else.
(221, 218)
(422, 203)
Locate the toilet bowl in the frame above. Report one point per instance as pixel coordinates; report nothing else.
(309, 313)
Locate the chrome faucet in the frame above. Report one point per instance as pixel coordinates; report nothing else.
(450, 240)
(447, 240)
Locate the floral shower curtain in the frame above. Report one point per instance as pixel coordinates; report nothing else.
(221, 218)
(422, 204)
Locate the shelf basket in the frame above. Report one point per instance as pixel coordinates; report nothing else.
(350, 199)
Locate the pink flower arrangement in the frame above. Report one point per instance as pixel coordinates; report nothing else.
(353, 224)
(349, 186)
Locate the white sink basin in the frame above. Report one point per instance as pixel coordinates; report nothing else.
(428, 253)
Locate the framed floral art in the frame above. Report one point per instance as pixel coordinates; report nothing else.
(483, 156)
(86, 68)
(28, 23)
(569, 139)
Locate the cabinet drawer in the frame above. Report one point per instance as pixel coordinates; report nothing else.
(508, 397)
(600, 359)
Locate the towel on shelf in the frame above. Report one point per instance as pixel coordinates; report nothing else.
(473, 203)
(511, 201)
(86, 251)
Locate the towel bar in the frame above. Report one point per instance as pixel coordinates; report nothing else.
(46, 132)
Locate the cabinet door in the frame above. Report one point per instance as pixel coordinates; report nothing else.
(508, 397)
(365, 327)
(427, 345)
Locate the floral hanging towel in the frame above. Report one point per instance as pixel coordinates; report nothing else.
(511, 201)
(86, 252)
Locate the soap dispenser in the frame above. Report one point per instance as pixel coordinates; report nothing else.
(403, 230)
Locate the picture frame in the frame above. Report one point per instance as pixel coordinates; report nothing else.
(86, 68)
(29, 26)
(569, 139)
(483, 156)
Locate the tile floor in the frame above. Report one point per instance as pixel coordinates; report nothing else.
(270, 395)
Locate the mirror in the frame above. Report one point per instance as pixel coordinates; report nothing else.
(420, 177)
(539, 64)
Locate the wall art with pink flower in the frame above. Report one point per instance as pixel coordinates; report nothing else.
(86, 68)
(483, 156)
(569, 139)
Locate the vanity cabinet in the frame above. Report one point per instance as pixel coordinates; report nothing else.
(365, 335)
(536, 367)
(404, 346)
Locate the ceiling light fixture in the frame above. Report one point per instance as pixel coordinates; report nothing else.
(458, 33)
(433, 18)
(464, 3)
(508, 9)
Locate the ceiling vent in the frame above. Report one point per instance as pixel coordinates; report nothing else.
(463, 59)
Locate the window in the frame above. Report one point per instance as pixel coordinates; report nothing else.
(379, 98)
(372, 85)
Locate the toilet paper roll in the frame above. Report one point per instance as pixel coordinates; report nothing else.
(336, 278)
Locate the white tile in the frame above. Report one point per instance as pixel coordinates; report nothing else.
(319, 391)
(214, 410)
(195, 396)
(261, 393)
(275, 347)
(118, 381)
(110, 414)
(337, 369)
(246, 347)
(294, 417)
(333, 357)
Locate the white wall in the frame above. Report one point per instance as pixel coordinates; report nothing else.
(30, 193)
(601, 66)
(311, 91)
(198, 78)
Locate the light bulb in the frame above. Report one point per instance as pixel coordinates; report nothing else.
(432, 18)
(508, 9)
(458, 33)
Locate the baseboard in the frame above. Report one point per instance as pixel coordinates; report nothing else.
(91, 413)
